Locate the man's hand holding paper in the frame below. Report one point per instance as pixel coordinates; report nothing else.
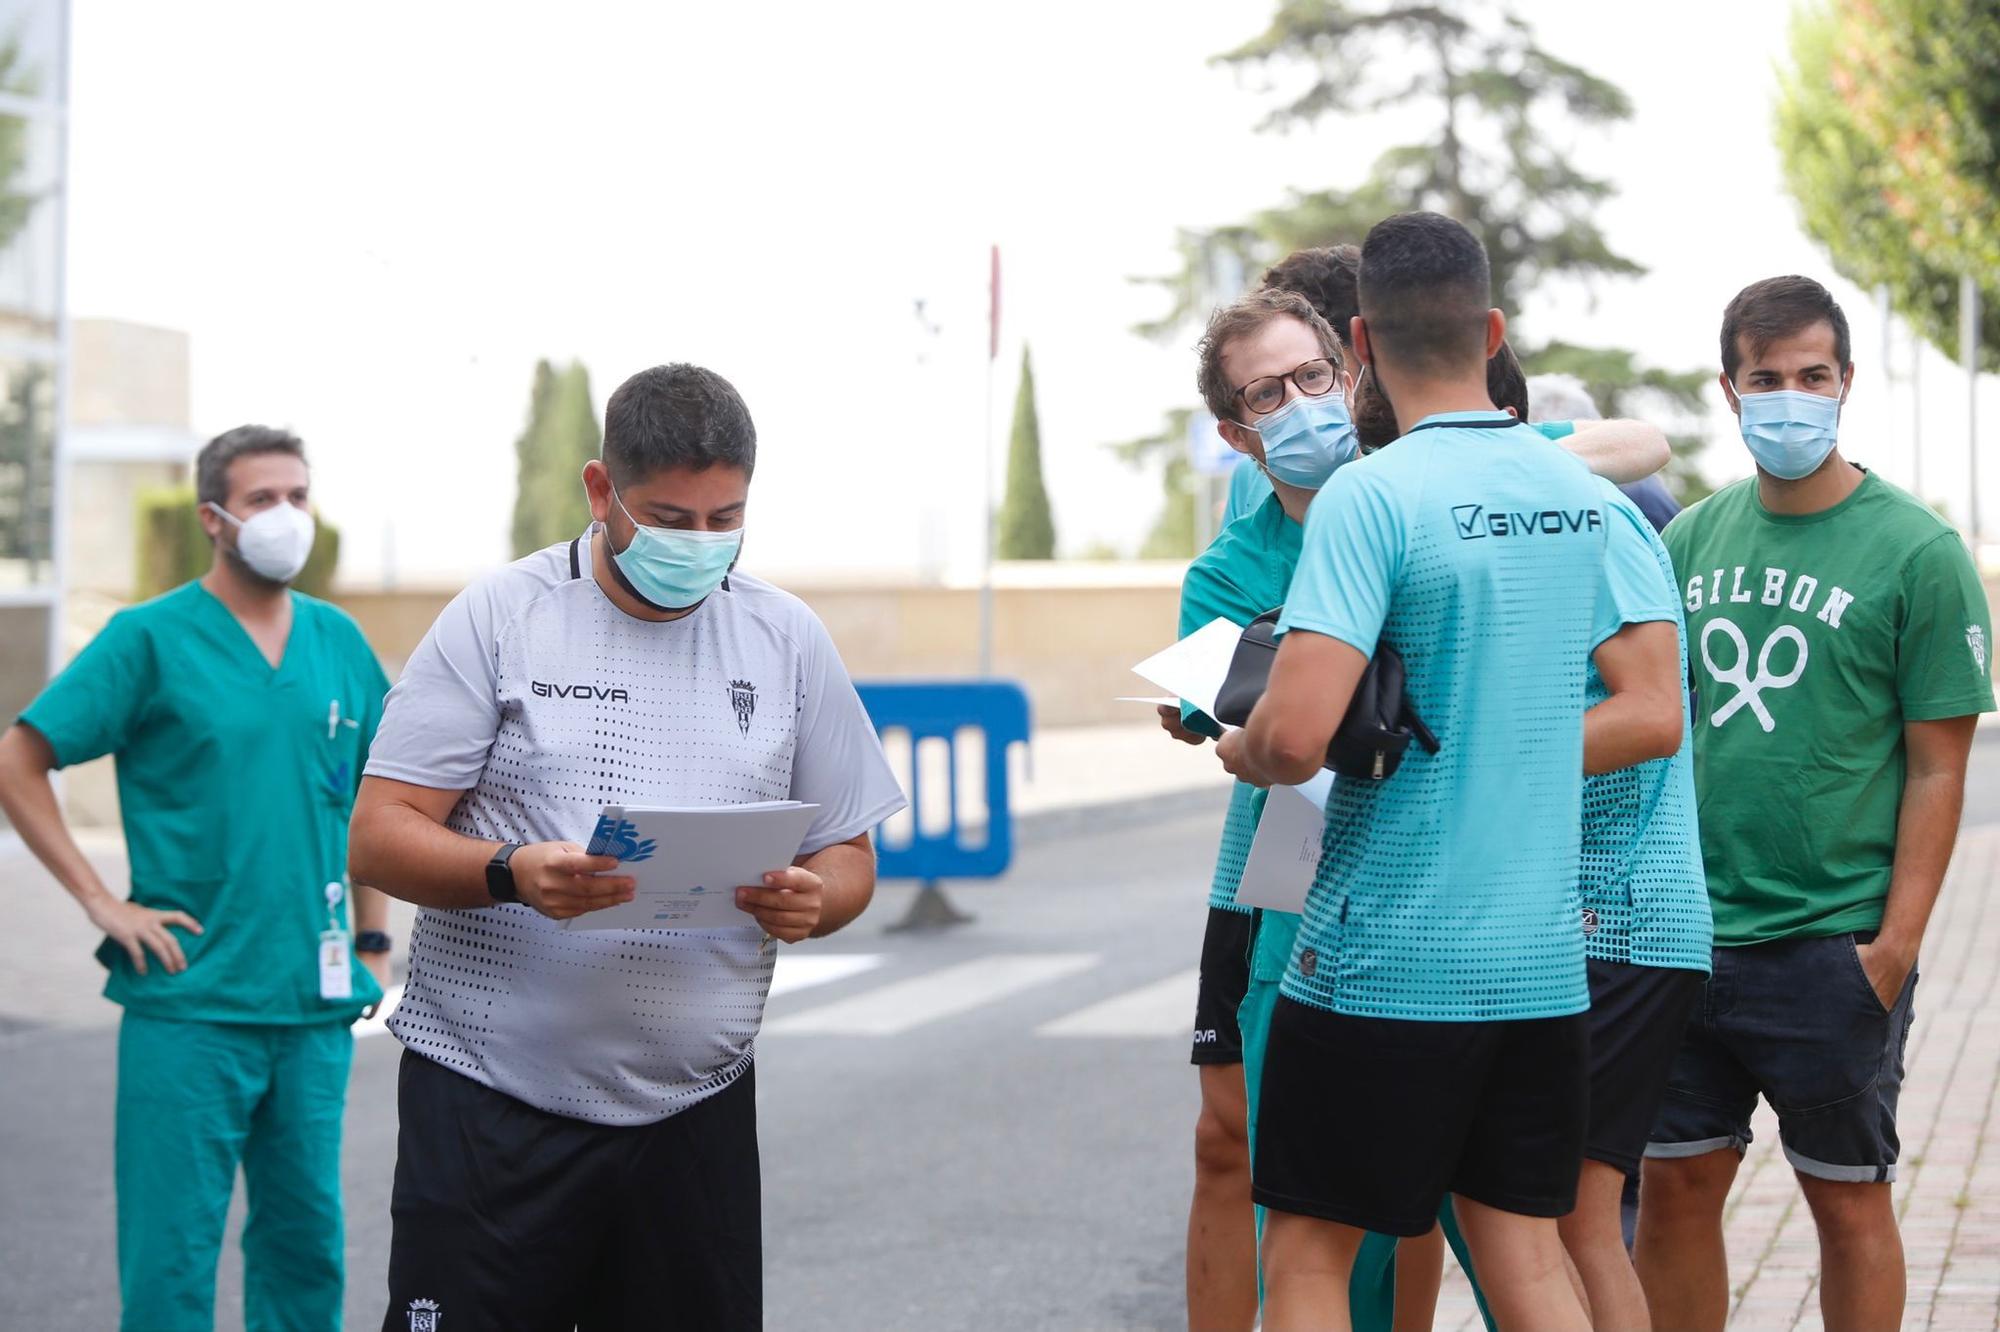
(788, 905)
(562, 881)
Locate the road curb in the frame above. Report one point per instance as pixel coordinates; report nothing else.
(1050, 825)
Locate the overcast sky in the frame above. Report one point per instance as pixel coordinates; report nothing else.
(373, 217)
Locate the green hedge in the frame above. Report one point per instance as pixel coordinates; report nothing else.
(172, 548)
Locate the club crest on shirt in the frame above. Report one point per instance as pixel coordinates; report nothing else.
(743, 697)
(1975, 638)
(425, 1316)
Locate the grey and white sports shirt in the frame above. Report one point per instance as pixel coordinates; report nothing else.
(544, 702)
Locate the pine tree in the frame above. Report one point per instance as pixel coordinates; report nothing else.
(1478, 92)
(1027, 531)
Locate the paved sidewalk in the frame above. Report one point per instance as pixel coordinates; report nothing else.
(1948, 1194)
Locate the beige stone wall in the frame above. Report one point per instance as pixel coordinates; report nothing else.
(104, 520)
(1071, 645)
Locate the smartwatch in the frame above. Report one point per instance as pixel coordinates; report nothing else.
(373, 941)
(500, 875)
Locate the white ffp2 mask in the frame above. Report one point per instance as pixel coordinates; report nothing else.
(275, 542)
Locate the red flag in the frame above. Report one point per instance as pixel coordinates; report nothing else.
(993, 311)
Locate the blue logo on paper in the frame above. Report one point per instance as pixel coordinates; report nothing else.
(620, 838)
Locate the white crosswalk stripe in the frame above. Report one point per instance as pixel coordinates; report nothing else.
(1159, 1008)
(901, 1005)
(802, 971)
(1164, 1008)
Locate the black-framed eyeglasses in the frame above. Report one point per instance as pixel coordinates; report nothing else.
(1313, 379)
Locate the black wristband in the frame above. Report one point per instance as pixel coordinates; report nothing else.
(373, 941)
(500, 875)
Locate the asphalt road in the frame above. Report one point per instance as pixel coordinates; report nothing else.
(984, 1128)
(966, 1171)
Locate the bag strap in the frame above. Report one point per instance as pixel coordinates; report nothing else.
(575, 565)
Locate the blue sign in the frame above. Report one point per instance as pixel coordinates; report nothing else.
(1208, 452)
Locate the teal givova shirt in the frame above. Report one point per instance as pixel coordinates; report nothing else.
(1244, 572)
(1645, 894)
(235, 782)
(1449, 891)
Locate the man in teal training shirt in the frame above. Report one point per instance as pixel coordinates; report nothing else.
(1442, 973)
(1247, 571)
(240, 713)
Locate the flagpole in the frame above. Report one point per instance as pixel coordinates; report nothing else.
(986, 473)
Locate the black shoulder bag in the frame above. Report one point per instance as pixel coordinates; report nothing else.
(1378, 727)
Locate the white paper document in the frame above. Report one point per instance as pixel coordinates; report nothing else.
(690, 862)
(1195, 667)
(1284, 855)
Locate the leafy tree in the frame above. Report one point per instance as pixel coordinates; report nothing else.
(16, 205)
(27, 435)
(1482, 94)
(1173, 532)
(1621, 387)
(1889, 128)
(562, 434)
(1027, 531)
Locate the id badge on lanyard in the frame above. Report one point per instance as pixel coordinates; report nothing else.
(336, 977)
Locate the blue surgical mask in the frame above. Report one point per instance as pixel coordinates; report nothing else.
(1307, 440)
(1789, 432)
(670, 569)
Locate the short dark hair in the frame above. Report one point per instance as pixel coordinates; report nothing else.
(1506, 382)
(676, 415)
(1777, 308)
(1239, 319)
(1425, 289)
(1375, 421)
(211, 465)
(1326, 275)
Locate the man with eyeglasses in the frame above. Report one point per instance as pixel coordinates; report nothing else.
(1246, 385)
(578, 1108)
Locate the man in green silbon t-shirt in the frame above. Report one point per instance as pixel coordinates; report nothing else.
(1839, 642)
(240, 713)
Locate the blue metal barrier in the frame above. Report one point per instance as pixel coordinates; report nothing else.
(940, 845)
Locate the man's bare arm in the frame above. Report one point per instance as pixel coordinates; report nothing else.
(1644, 717)
(29, 797)
(1620, 451)
(1926, 832)
(397, 841)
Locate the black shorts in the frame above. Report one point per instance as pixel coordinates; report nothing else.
(1637, 1018)
(1225, 976)
(508, 1217)
(1372, 1121)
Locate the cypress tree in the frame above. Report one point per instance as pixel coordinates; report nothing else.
(1027, 530)
(562, 435)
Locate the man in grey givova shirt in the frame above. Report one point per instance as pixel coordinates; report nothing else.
(578, 1116)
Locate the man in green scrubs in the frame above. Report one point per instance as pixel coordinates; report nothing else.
(240, 713)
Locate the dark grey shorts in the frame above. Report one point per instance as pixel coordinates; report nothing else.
(1796, 1022)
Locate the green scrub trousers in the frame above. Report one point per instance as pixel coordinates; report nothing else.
(195, 1100)
(1371, 1292)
